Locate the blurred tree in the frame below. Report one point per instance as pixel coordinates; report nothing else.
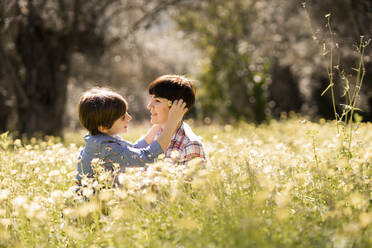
(237, 39)
(129, 66)
(38, 40)
(297, 45)
(234, 84)
(289, 37)
(284, 92)
(349, 21)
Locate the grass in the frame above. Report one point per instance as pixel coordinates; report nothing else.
(286, 184)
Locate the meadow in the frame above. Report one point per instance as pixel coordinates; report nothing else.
(290, 183)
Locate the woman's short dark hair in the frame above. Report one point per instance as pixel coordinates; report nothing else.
(173, 87)
(100, 107)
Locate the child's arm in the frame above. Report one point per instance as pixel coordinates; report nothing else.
(175, 115)
(128, 156)
(151, 133)
(148, 138)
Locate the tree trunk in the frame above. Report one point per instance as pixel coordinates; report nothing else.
(45, 55)
(284, 90)
(5, 111)
(5, 96)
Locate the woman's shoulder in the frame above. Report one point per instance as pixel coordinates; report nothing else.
(191, 136)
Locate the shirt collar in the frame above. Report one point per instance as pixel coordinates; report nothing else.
(179, 131)
(89, 137)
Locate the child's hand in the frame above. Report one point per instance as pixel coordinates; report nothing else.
(177, 111)
(156, 128)
(153, 131)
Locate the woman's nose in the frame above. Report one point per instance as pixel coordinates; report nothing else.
(129, 117)
(149, 105)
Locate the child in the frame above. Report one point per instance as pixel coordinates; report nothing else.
(103, 113)
(185, 145)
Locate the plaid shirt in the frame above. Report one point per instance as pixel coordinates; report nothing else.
(184, 146)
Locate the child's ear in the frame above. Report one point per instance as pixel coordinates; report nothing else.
(102, 129)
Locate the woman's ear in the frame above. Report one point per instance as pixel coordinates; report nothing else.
(102, 129)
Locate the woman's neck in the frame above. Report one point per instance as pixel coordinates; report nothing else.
(178, 125)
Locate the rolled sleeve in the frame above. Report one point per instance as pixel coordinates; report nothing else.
(141, 143)
(194, 150)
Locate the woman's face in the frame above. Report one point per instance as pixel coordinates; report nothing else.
(159, 109)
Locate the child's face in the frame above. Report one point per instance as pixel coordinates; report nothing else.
(159, 108)
(120, 125)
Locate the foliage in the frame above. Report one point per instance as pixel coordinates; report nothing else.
(249, 52)
(352, 84)
(237, 38)
(41, 40)
(343, 52)
(286, 184)
(233, 82)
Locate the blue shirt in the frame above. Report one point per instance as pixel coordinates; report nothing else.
(115, 150)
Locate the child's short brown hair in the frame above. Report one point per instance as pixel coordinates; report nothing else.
(173, 87)
(100, 107)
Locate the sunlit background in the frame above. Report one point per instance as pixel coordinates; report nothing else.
(269, 76)
(252, 60)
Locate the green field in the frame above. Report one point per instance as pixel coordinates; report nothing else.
(291, 183)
